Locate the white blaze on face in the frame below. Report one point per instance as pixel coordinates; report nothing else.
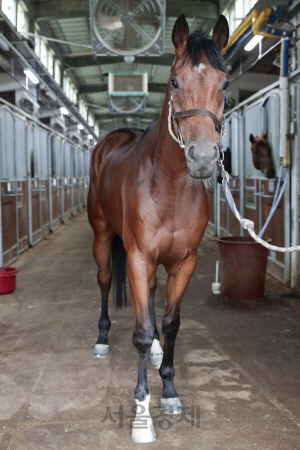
(199, 68)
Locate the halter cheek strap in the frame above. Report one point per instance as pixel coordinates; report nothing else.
(219, 124)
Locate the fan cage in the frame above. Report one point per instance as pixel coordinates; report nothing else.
(153, 47)
(126, 105)
(128, 84)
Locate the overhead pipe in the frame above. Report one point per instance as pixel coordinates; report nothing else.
(241, 29)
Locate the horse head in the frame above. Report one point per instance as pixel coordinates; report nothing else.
(261, 155)
(198, 80)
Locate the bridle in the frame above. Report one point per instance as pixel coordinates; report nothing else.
(219, 124)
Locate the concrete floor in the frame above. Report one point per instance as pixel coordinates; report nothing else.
(237, 363)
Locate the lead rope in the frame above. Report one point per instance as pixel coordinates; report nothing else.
(245, 223)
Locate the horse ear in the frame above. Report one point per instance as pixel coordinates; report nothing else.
(251, 138)
(180, 32)
(221, 32)
(266, 136)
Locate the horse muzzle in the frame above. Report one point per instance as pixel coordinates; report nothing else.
(200, 165)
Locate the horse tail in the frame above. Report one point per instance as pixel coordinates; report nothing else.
(118, 263)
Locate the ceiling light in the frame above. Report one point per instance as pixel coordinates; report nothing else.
(64, 111)
(95, 142)
(254, 41)
(31, 76)
(129, 59)
(90, 136)
(80, 127)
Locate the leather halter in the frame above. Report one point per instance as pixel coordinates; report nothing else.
(219, 124)
(200, 112)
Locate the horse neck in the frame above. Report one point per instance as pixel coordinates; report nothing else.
(169, 163)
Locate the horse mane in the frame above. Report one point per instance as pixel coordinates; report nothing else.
(199, 42)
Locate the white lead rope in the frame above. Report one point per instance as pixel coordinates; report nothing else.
(248, 224)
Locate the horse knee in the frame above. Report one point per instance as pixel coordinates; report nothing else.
(170, 326)
(142, 338)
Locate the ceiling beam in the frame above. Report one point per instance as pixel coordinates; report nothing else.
(58, 9)
(93, 88)
(88, 59)
(108, 117)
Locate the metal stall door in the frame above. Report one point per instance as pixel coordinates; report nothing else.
(9, 193)
(55, 182)
(67, 182)
(21, 180)
(260, 117)
(79, 177)
(43, 185)
(86, 160)
(74, 196)
(38, 183)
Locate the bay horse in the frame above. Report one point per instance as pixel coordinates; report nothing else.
(148, 191)
(262, 155)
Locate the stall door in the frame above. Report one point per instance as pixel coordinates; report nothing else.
(39, 184)
(56, 182)
(13, 214)
(67, 182)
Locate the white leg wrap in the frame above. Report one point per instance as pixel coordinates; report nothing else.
(142, 427)
(156, 354)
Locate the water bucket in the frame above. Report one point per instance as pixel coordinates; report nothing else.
(243, 265)
(7, 279)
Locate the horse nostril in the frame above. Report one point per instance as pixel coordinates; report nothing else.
(270, 173)
(191, 152)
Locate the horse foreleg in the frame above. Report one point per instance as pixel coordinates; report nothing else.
(156, 350)
(139, 276)
(178, 279)
(102, 249)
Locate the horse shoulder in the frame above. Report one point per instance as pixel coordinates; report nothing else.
(117, 140)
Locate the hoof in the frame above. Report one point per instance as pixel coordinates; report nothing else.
(156, 354)
(142, 433)
(101, 350)
(170, 405)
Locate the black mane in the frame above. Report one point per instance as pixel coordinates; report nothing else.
(199, 42)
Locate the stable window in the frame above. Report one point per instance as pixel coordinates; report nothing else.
(22, 18)
(57, 72)
(51, 62)
(37, 43)
(9, 7)
(44, 53)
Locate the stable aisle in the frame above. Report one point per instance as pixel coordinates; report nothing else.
(237, 363)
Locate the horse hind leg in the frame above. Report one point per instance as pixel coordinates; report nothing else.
(102, 249)
(156, 353)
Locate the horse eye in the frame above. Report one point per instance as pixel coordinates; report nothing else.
(174, 83)
(226, 84)
(256, 152)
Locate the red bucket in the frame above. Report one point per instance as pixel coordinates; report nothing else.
(7, 279)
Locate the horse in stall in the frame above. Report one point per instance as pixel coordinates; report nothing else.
(262, 155)
(148, 191)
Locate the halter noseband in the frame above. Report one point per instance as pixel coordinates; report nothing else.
(219, 124)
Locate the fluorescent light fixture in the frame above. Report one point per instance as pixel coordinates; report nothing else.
(254, 41)
(31, 76)
(80, 127)
(64, 111)
(90, 136)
